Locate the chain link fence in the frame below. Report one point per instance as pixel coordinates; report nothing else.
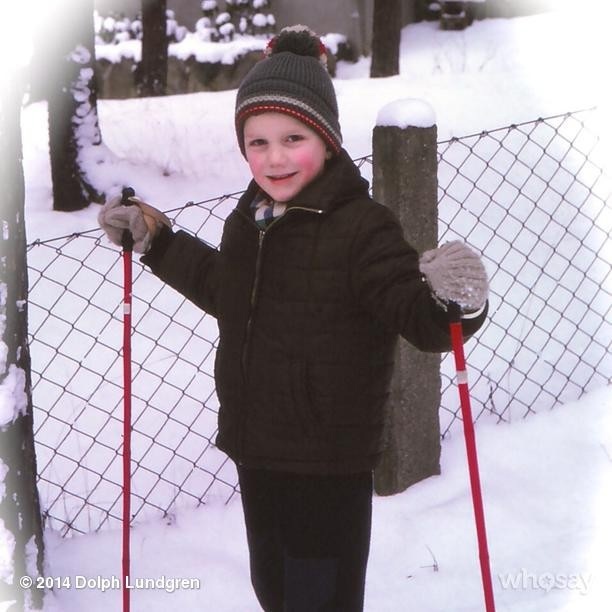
(533, 198)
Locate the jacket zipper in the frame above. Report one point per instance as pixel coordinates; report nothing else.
(253, 302)
(255, 289)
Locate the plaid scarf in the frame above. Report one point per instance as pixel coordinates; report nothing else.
(266, 210)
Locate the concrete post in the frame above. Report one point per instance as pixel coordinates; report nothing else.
(405, 180)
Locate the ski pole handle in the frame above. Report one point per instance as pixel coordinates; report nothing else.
(454, 312)
(127, 240)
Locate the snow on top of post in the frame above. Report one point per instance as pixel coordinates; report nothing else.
(407, 112)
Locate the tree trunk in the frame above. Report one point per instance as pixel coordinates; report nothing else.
(73, 112)
(20, 520)
(386, 31)
(153, 70)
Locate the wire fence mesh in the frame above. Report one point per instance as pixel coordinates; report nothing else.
(534, 198)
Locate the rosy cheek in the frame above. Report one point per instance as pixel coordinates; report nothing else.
(308, 163)
(255, 164)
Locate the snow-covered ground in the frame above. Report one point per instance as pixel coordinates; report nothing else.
(547, 485)
(546, 481)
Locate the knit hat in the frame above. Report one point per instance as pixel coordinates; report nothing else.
(292, 79)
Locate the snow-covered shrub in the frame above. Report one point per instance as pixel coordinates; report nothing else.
(116, 28)
(209, 7)
(223, 18)
(235, 18)
(227, 31)
(113, 29)
(174, 31)
(206, 30)
(136, 28)
(237, 6)
(262, 25)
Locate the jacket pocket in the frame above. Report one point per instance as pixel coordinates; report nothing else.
(305, 408)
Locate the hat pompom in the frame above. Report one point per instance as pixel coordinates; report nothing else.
(298, 39)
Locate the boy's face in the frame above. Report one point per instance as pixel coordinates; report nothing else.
(284, 154)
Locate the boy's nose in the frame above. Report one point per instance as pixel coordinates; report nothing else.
(276, 155)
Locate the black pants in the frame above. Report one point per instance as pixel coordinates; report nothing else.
(309, 539)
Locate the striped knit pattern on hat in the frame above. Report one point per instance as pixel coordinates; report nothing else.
(293, 84)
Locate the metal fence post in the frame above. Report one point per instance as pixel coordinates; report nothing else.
(405, 180)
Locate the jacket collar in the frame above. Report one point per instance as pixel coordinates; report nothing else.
(339, 182)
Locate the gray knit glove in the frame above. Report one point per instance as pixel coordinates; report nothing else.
(455, 273)
(141, 219)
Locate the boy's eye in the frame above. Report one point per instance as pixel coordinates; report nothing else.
(295, 138)
(257, 142)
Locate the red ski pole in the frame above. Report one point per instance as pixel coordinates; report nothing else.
(456, 332)
(127, 243)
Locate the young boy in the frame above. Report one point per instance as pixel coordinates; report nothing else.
(312, 284)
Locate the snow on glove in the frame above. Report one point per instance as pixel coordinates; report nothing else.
(455, 273)
(141, 219)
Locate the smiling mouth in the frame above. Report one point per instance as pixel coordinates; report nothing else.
(281, 177)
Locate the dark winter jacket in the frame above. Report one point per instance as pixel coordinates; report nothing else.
(309, 312)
